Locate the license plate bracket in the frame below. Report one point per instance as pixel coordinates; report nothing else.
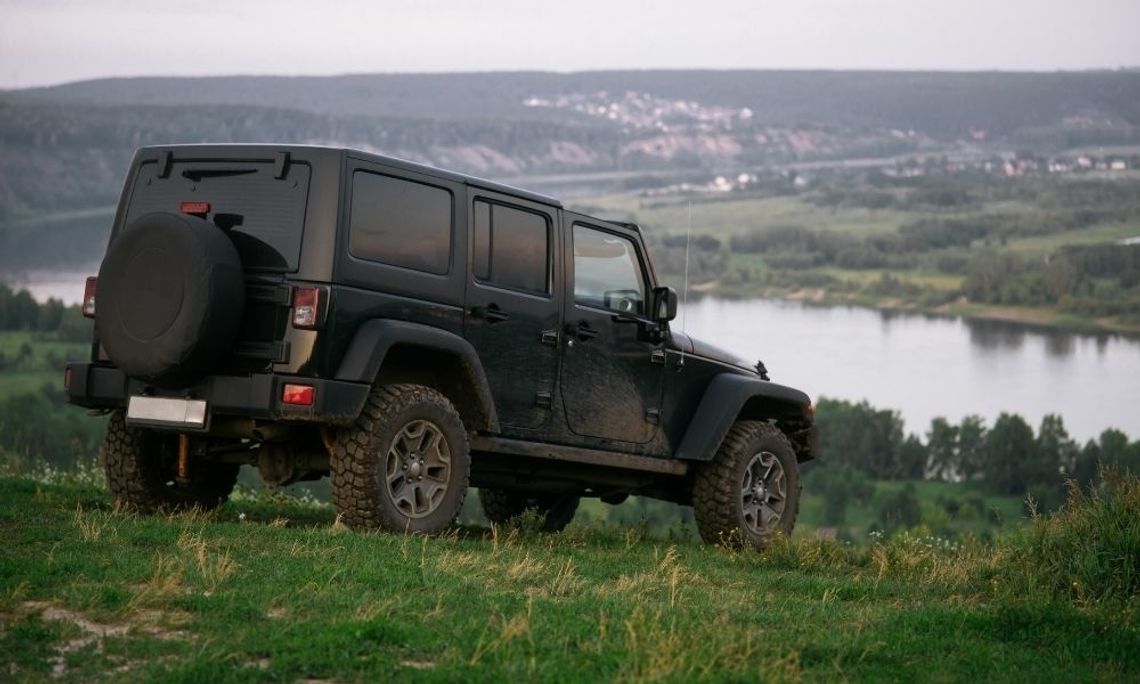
(167, 412)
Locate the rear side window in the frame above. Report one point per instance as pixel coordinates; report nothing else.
(263, 215)
(512, 247)
(400, 222)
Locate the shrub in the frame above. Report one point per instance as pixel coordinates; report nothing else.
(1088, 550)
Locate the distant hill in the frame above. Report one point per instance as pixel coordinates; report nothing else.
(64, 149)
(937, 103)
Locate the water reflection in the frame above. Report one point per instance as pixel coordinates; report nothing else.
(928, 366)
(995, 335)
(1060, 344)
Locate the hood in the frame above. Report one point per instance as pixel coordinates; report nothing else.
(691, 345)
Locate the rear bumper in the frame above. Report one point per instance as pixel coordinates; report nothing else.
(257, 396)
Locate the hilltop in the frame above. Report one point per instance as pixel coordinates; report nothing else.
(266, 590)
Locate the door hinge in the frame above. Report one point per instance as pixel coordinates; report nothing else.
(657, 357)
(653, 416)
(543, 399)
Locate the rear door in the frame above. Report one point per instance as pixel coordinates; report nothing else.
(512, 314)
(612, 373)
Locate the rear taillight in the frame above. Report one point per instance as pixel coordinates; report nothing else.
(89, 297)
(308, 307)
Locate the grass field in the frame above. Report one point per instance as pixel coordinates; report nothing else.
(267, 590)
(43, 365)
(726, 216)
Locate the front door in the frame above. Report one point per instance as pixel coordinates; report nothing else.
(512, 315)
(612, 372)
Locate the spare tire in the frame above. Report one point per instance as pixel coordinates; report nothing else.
(170, 299)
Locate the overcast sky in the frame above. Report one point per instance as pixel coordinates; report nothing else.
(54, 41)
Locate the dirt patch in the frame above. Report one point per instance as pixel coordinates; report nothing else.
(93, 633)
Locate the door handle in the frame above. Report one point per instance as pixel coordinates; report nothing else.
(583, 331)
(491, 313)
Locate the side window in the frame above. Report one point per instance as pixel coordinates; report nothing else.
(607, 273)
(400, 222)
(512, 248)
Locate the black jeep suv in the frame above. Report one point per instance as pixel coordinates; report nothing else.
(411, 332)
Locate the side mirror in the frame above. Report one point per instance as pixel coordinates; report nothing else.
(664, 304)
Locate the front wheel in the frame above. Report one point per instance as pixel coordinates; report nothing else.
(751, 488)
(404, 465)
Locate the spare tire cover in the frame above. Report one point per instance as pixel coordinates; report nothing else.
(170, 298)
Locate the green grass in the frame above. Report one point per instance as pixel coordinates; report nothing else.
(43, 345)
(17, 383)
(999, 511)
(1047, 244)
(727, 216)
(44, 367)
(267, 590)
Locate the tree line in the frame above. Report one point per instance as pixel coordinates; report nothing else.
(1009, 457)
(19, 311)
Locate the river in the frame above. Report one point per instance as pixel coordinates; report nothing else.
(924, 366)
(928, 366)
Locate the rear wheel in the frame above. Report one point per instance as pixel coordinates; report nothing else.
(750, 490)
(502, 506)
(404, 466)
(142, 470)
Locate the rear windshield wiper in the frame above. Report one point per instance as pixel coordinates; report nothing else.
(199, 174)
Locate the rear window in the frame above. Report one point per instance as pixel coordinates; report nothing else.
(265, 216)
(400, 222)
(512, 248)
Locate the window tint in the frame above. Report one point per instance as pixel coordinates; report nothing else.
(264, 215)
(511, 247)
(400, 222)
(607, 273)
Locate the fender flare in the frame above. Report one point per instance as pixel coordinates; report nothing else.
(727, 398)
(375, 338)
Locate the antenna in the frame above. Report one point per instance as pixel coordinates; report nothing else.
(685, 295)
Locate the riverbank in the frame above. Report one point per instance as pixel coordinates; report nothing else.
(1041, 318)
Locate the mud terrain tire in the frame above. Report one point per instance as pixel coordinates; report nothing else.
(141, 469)
(170, 298)
(751, 488)
(502, 507)
(404, 465)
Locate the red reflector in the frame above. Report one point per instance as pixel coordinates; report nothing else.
(89, 297)
(195, 208)
(298, 395)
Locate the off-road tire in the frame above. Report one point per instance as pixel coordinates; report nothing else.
(358, 467)
(504, 507)
(717, 487)
(141, 468)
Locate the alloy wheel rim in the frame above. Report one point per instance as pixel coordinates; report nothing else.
(763, 493)
(418, 469)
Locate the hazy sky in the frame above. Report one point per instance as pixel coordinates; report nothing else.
(55, 41)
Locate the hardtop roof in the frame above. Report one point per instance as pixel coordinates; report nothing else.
(268, 149)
